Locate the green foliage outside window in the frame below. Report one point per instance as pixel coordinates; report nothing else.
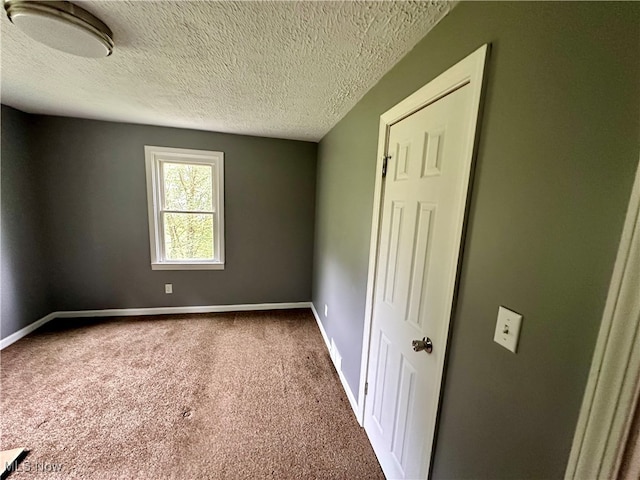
(188, 219)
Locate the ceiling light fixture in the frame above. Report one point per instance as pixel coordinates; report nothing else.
(62, 25)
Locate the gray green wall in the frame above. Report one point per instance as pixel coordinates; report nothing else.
(98, 218)
(559, 144)
(24, 295)
(92, 212)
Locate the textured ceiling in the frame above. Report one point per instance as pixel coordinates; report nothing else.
(277, 69)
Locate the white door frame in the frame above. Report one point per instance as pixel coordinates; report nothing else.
(613, 387)
(469, 71)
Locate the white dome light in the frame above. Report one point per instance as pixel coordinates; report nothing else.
(61, 25)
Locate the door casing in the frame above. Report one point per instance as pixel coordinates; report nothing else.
(469, 71)
(613, 387)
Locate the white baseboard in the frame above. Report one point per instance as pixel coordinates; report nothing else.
(127, 312)
(23, 332)
(338, 365)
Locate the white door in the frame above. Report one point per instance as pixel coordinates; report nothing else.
(425, 191)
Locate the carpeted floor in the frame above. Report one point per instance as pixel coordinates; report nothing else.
(220, 396)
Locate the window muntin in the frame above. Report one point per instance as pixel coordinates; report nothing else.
(186, 208)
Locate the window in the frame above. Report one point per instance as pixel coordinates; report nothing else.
(185, 194)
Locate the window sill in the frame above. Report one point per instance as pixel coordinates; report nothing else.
(187, 266)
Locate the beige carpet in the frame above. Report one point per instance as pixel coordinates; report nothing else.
(242, 395)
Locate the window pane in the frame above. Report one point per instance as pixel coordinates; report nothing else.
(188, 236)
(187, 187)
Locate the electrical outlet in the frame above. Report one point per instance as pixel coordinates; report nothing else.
(326, 310)
(168, 288)
(508, 329)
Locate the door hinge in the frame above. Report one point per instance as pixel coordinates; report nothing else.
(366, 387)
(385, 162)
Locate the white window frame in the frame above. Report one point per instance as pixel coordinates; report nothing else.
(154, 157)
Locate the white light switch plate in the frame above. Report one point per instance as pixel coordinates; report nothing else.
(508, 329)
(168, 288)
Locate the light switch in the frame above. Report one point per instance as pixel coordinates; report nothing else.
(168, 288)
(508, 329)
